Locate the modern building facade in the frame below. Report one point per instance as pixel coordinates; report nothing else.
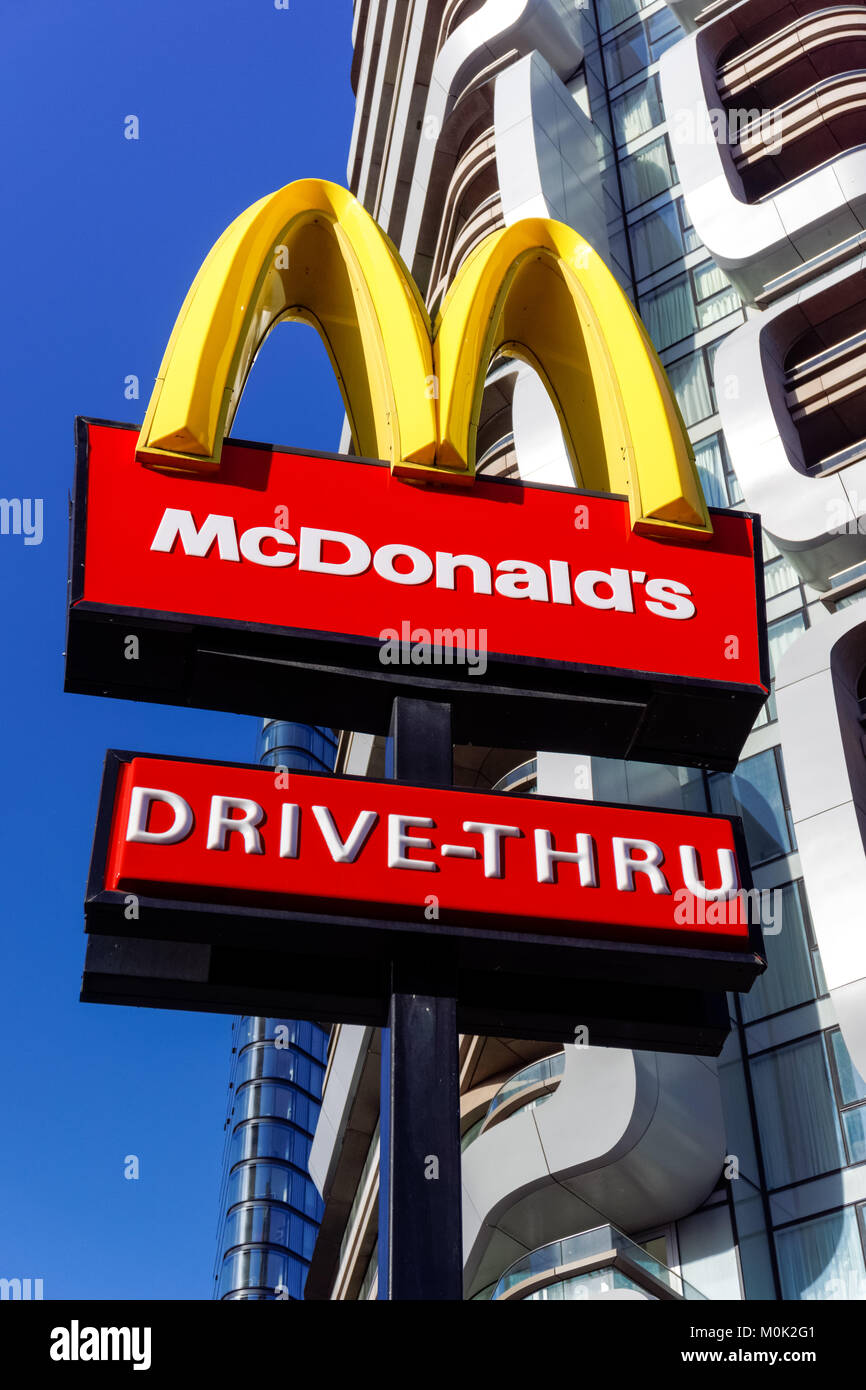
(269, 1206)
(711, 156)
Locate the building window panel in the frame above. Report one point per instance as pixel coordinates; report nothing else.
(822, 1259)
(797, 1117)
(855, 1133)
(716, 297)
(779, 576)
(637, 111)
(851, 1094)
(789, 979)
(634, 50)
(852, 1087)
(691, 386)
(710, 463)
(669, 313)
(614, 12)
(656, 241)
(663, 29)
(270, 1141)
(781, 635)
(646, 173)
(627, 55)
(754, 791)
(714, 467)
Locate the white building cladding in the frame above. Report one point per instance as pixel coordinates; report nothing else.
(593, 1172)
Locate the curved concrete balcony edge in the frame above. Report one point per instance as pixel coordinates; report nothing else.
(492, 32)
(632, 1138)
(753, 243)
(817, 522)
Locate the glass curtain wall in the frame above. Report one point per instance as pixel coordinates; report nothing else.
(269, 1207)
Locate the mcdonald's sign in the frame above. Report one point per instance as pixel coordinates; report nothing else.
(620, 617)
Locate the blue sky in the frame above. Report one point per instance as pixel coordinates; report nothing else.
(100, 239)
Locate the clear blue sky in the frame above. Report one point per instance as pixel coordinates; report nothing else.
(101, 238)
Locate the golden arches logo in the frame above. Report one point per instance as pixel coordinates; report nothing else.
(412, 390)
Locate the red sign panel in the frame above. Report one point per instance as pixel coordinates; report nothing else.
(539, 588)
(225, 887)
(232, 834)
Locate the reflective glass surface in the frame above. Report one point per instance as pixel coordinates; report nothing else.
(254, 1140)
(823, 1259)
(754, 791)
(277, 1182)
(267, 1060)
(801, 1136)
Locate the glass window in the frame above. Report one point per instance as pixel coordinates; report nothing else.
(640, 45)
(781, 634)
(278, 1102)
(852, 1087)
(270, 1141)
(649, 784)
(627, 55)
(613, 12)
(754, 791)
(270, 1225)
(266, 1060)
(663, 29)
(797, 1116)
(714, 466)
(715, 295)
(710, 462)
(656, 241)
(296, 1033)
(855, 1133)
(279, 1184)
(669, 312)
(262, 1269)
(690, 237)
(646, 173)
(851, 1090)
(691, 386)
(779, 576)
(788, 979)
(637, 111)
(822, 1259)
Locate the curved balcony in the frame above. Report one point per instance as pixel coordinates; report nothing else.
(593, 1264)
(523, 778)
(526, 1089)
(454, 13)
(785, 182)
(800, 135)
(473, 209)
(539, 1078)
(780, 66)
(638, 1136)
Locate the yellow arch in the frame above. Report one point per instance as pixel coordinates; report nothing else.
(309, 252)
(535, 290)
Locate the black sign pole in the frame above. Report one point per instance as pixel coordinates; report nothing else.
(420, 1226)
